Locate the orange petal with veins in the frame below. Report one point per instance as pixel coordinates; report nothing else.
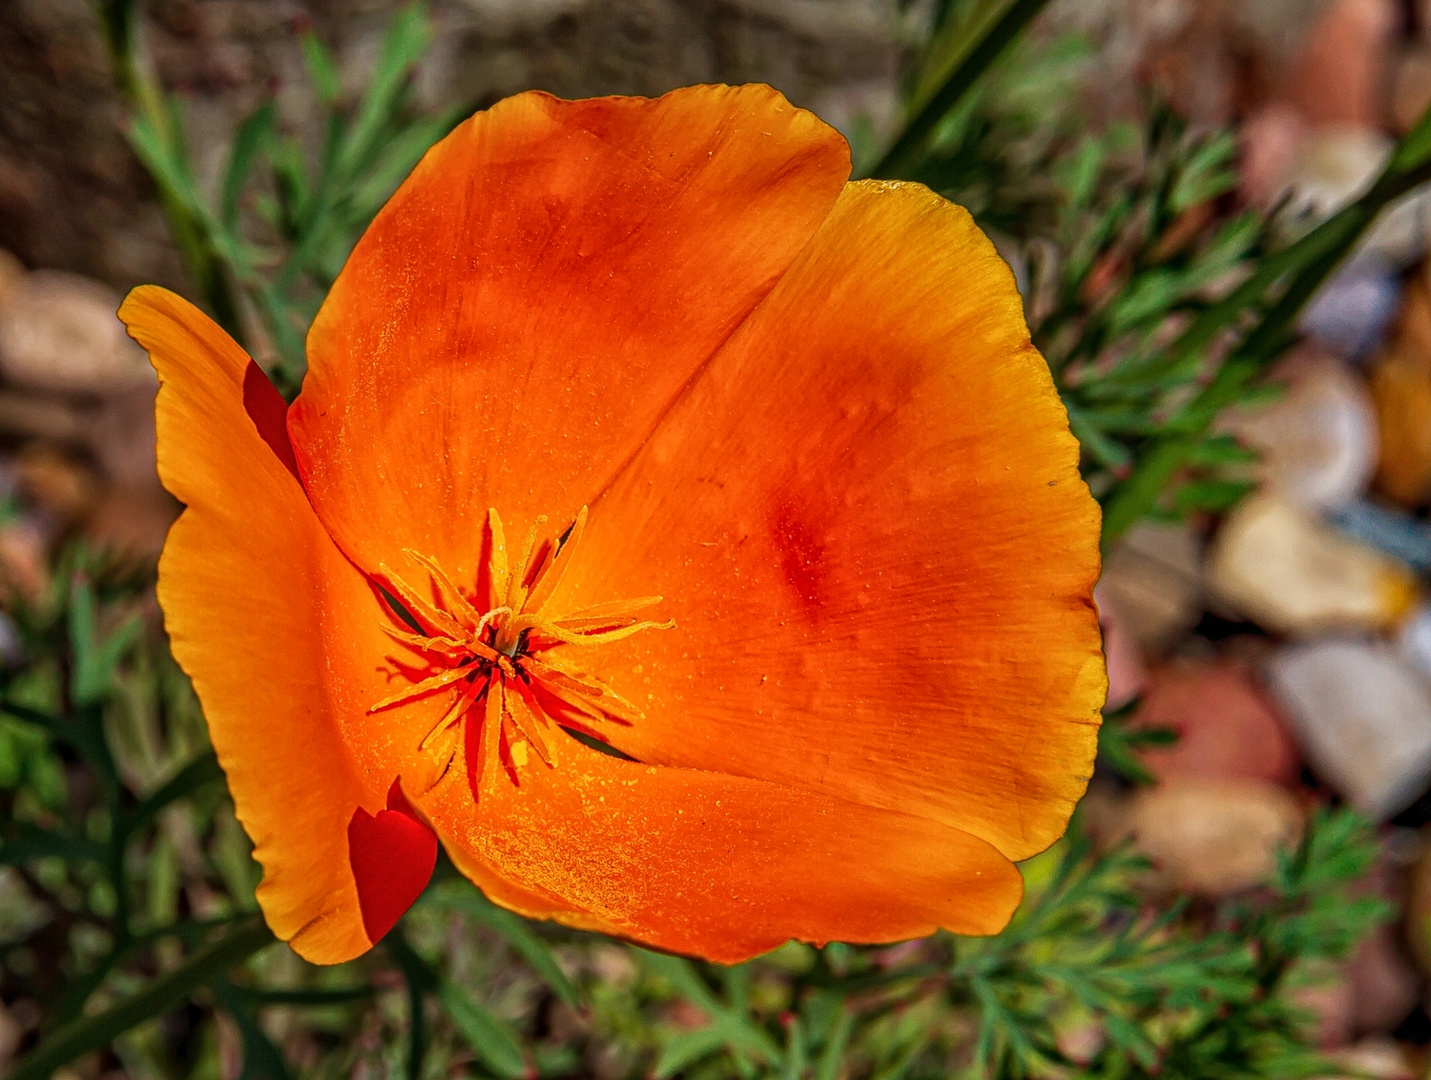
(867, 520)
(718, 866)
(532, 298)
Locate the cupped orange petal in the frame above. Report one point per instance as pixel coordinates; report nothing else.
(529, 302)
(255, 595)
(866, 519)
(718, 866)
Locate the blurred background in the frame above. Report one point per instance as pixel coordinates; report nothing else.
(1268, 633)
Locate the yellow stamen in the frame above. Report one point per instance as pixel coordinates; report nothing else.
(427, 686)
(452, 597)
(497, 563)
(543, 590)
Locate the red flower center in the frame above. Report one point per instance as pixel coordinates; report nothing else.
(515, 669)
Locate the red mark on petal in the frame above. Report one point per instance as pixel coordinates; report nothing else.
(269, 412)
(397, 800)
(392, 855)
(802, 555)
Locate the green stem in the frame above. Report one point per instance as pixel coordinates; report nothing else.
(202, 770)
(163, 994)
(140, 89)
(905, 149)
(421, 981)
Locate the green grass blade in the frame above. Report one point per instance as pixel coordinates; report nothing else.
(490, 1038)
(981, 54)
(166, 992)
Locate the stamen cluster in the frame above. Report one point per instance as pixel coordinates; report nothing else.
(512, 666)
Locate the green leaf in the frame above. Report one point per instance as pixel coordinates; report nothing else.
(92, 677)
(261, 1059)
(255, 133)
(27, 841)
(406, 40)
(166, 992)
(1212, 496)
(1118, 745)
(833, 1055)
(394, 161)
(687, 1048)
(682, 975)
(464, 898)
(1206, 173)
(204, 769)
(322, 71)
(1107, 452)
(731, 1026)
(489, 1037)
(974, 58)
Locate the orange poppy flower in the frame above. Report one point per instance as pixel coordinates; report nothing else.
(689, 540)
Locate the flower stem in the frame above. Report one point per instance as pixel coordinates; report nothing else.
(978, 56)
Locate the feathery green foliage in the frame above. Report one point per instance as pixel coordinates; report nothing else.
(127, 886)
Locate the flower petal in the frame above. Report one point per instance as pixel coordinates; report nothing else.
(531, 300)
(392, 854)
(718, 866)
(247, 580)
(867, 521)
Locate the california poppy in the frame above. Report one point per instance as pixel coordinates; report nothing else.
(690, 540)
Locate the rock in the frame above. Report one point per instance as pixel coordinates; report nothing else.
(1318, 440)
(1275, 563)
(1227, 726)
(1362, 717)
(1401, 394)
(1385, 986)
(11, 1035)
(1270, 141)
(1215, 836)
(1377, 1057)
(27, 415)
(122, 438)
(1418, 909)
(1331, 999)
(62, 487)
(1127, 674)
(1410, 88)
(12, 272)
(1395, 532)
(1340, 74)
(1153, 579)
(59, 332)
(24, 565)
(1336, 164)
(133, 524)
(1413, 639)
(1352, 312)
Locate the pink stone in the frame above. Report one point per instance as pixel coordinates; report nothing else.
(1332, 1002)
(1384, 982)
(1228, 727)
(1127, 674)
(1271, 143)
(1215, 837)
(1341, 74)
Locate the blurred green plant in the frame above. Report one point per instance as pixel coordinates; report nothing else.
(1155, 307)
(264, 240)
(126, 885)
